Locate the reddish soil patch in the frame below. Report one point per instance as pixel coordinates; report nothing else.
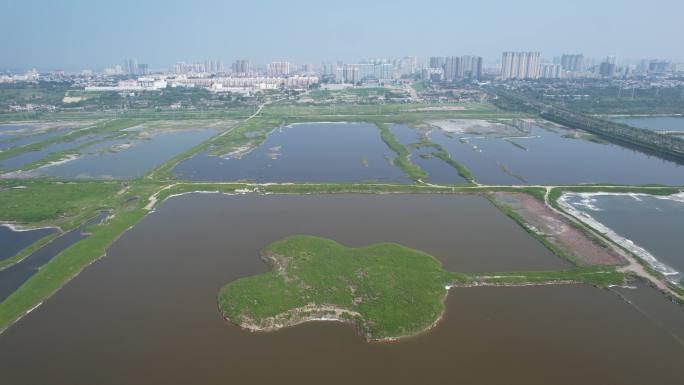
(558, 230)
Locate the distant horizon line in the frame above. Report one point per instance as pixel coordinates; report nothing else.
(259, 63)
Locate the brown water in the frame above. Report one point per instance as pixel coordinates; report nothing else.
(656, 307)
(146, 313)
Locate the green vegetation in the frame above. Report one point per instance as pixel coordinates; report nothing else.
(184, 188)
(65, 96)
(66, 265)
(370, 188)
(44, 202)
(68, 204)
(50, 93)
(238, 139)
(396, 291)
(402, 160)
(251, 133)
(386, 289)
(600, 276)
(126, 209)
(7, 262)
(441, 153)
(103, 129)
(108, 130)
(619, 100)
(388, 113)
(508, 171)
(247, 134)
(516, 144)
(358, 94)
(139, 114)
(537, 192)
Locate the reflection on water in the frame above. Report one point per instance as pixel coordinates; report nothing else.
(312, 152)
(147, 311)
(14, 276)
(544, 156)
(12, 242)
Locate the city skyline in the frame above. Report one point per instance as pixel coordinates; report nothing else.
(303, 32)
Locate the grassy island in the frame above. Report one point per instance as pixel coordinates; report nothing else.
(387, 290)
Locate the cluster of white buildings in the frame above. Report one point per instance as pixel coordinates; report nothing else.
(520, 65)
(113, 71)
(360, 72)
(208, 66)
(131, 85)
(452, 68)
(278, 68)
(371, 70)
(230, 83)
(31, 75)
(527, 65)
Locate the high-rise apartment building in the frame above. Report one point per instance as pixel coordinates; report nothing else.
(278, 68)
(352, 73)
(607, 69)
(659, 66)
(355, 73)
(339, 74)
(453, 68)
(437, 62)
(573, 63)
(462, 67)
(130, 66)
(550, 71)
(241, 67)
(383, 71)
(179, 68)
(476, 68)
(520, 65)
(328, 69)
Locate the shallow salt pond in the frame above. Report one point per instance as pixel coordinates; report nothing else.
(8, 140)
(311, 152)
(650, 226)
(147, 311)
(32, 156)
(20, 134)
(128, 157)
(548, 156)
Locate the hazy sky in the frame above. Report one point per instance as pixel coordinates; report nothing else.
(77, 34)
